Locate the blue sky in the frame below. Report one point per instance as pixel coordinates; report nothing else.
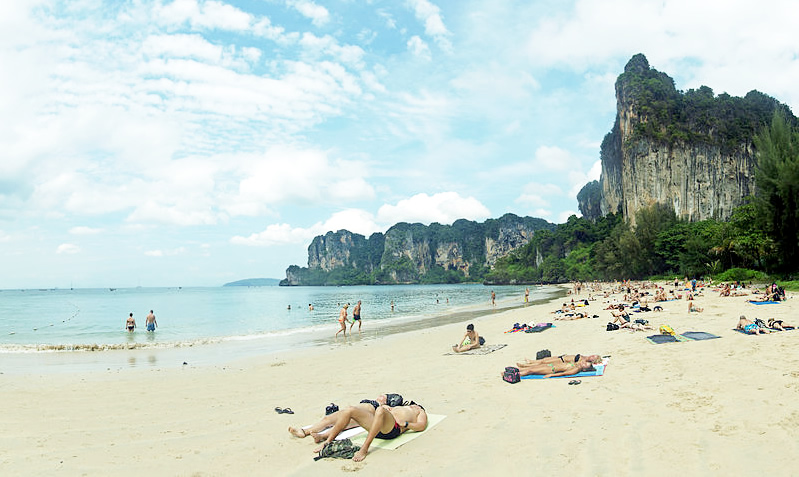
(192, 143)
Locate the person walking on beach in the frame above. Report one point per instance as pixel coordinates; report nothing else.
(356, 316)
(342, 320)
(493, 298)
(130, 325)
(150, 322)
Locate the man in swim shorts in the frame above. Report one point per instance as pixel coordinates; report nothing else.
(471, 340)
(386, 423)
(130, 325)
(150, 322)
(356, 316)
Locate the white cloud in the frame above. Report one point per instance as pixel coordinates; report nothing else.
(165, 253)
(444, 208)
(419, 48)
(318, 14)
(204, 15)
(434, 26)
(68, 248)
(80, 230)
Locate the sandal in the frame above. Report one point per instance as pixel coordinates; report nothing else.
(284, 411)
(575, 381)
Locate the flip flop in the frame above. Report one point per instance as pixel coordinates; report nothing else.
(575, 381)
(284, 411)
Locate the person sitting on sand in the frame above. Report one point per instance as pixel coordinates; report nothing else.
(550, 370)
(750, 327)
(564, 358)
(471, 340)
(779, 325)
(384, 423)
(691, 308)
(621, 316)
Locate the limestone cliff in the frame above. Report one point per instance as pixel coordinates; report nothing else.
(692, 150)
(413, 253)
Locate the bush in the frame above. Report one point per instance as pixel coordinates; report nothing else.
(741, 274)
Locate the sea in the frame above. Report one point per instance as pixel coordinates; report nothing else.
(51, 330)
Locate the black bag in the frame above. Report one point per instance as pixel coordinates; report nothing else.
(394, 400)
(331, 409)
(612, 327)
(482, 341)
(544, 353)
(511, 375)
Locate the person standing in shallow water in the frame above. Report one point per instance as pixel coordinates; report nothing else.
(150, 322)
(130, 325)
(342, 319)
(356, 316)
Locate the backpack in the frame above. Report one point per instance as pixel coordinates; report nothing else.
(544, 353)
(331, 409)
(482, 341)
(394, 400)
(343, 449)
(612, 327)
(511, 375)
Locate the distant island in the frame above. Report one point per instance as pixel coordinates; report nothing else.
(254, 282)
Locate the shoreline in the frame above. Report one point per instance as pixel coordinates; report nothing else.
(698, 400)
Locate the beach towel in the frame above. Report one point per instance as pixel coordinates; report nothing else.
(486, 349)
(432, 420)
(598, 371)
(539, 328)
(763, 302)
(699, 335)
(660, 339)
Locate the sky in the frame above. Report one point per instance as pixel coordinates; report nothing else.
(199, 142)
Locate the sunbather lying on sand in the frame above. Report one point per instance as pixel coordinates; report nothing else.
(384, 423)
(750, 327)
(779, 325)
(564, 358)
(317, 430)
(549, 370)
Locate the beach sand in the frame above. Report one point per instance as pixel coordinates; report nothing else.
(715, 407)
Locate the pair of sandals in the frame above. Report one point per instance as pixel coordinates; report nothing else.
(575, 381)
(284, 411)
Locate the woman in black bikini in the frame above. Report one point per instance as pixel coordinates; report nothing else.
(564, 358)
(549, 370)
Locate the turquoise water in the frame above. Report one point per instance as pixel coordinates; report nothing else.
(34, 321)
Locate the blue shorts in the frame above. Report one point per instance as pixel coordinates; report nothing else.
(150, 326)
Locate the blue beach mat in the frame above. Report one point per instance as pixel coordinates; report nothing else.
(699, 335)
(763, 302)
(578, 375)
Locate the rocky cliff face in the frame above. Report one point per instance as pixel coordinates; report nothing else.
(690, 150)
(407, 253)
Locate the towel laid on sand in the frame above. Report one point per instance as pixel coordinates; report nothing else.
(699, 335)
(485, 349)
(660, 339)
(763, 302)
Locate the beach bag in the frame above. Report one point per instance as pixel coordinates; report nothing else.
(666, 330)
(482, 341)
(331, 409)
(511, 375)
(394, 400)
(544, 353)
(612, 327)
(342, 449)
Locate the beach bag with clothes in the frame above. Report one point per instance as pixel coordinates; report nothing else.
(511, 375)
(342, 449)
(394, 400)
(544, 353)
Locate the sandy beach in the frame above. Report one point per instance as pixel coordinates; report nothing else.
(723, 406)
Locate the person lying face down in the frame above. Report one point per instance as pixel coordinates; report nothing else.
(550, 370)
(564, 358)
(750, 327)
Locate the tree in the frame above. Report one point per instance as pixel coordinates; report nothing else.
(777, 179)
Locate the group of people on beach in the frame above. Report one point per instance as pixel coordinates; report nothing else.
(386, 418)
(150, 322)
(356, 316)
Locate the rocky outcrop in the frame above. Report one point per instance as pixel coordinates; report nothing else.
(413, 253)
(693, 151)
